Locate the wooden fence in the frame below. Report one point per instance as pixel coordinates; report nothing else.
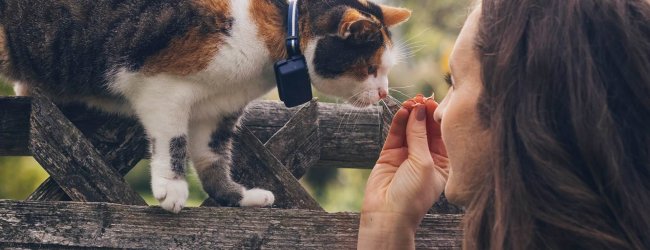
(87, 153)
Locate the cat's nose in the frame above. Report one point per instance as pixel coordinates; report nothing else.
(382, 93)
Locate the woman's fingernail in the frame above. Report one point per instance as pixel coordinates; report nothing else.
(421, 113)
(408, 105)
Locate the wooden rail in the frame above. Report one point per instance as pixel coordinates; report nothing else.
(87, 153)
(350, 137)
(102, 225)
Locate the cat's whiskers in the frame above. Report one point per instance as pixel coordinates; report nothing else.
(379, 107)
(407, 45)
(414, 37)
(388, 109)
(349, 112)
(356, 116)
(350, 115)
(407, 49)
(402, 54)
(403, 87)
(399, 92)
(413, 48)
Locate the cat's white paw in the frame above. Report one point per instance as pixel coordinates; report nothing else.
(257, 198)
(172, 194)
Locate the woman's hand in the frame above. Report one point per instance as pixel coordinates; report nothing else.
(408, 178)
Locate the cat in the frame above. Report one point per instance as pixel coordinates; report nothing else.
(187, 69)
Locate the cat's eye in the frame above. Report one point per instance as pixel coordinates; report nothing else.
(372, 70)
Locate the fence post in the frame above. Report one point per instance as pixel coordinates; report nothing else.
(70, 159)
(120, 141)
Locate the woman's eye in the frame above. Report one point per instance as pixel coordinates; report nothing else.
(449, 80)
(372, 70)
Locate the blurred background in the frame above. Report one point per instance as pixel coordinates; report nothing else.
(425, 42)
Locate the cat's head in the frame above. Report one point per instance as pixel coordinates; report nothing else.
(351, 52)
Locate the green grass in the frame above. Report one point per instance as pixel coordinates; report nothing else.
(5, 89)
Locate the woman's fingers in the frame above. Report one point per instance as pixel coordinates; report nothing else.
(416, 135)
(434, 136)
(397, 135)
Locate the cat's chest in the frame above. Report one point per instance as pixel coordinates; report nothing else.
(241, 57)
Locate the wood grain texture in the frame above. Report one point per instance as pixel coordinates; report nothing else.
(260, 168)
(297, 144)
(292, 150)
(71, 225)
(350, 137)
(71, 160)
(120, 141)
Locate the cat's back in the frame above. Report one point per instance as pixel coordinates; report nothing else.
(72, 46)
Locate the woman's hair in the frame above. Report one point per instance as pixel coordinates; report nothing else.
(567, 97)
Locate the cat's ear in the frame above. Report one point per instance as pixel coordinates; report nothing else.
(358, 28)
(395, 16)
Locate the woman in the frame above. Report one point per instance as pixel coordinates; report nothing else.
(546, 128)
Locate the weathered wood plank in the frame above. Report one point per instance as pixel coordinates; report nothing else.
(261, 169)
(389, 108)
(121, 143)
(297, 144)
(291, 152)
(71, 159)
(295, 147)
(14, 125)
(68, 224)
(350, 137)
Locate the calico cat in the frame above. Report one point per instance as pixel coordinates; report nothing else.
(187, 69)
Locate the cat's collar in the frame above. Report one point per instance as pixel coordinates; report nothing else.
(292, 75)
(293, 35)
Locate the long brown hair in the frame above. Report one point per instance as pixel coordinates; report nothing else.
(567, 97)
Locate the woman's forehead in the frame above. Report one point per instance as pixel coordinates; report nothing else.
(464, 51)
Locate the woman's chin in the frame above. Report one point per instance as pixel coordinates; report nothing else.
(456, 197)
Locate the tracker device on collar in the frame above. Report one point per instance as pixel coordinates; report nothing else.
(291, 74)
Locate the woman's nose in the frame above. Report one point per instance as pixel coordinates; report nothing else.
(437, 115)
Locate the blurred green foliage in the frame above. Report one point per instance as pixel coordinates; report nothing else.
(19, 177)
(424, 44)
(5, 89)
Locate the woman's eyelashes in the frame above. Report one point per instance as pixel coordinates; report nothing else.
(448, 79)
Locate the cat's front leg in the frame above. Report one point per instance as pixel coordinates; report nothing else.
(168, 183)
(164, 110)
(21, 89)
(210, 150)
